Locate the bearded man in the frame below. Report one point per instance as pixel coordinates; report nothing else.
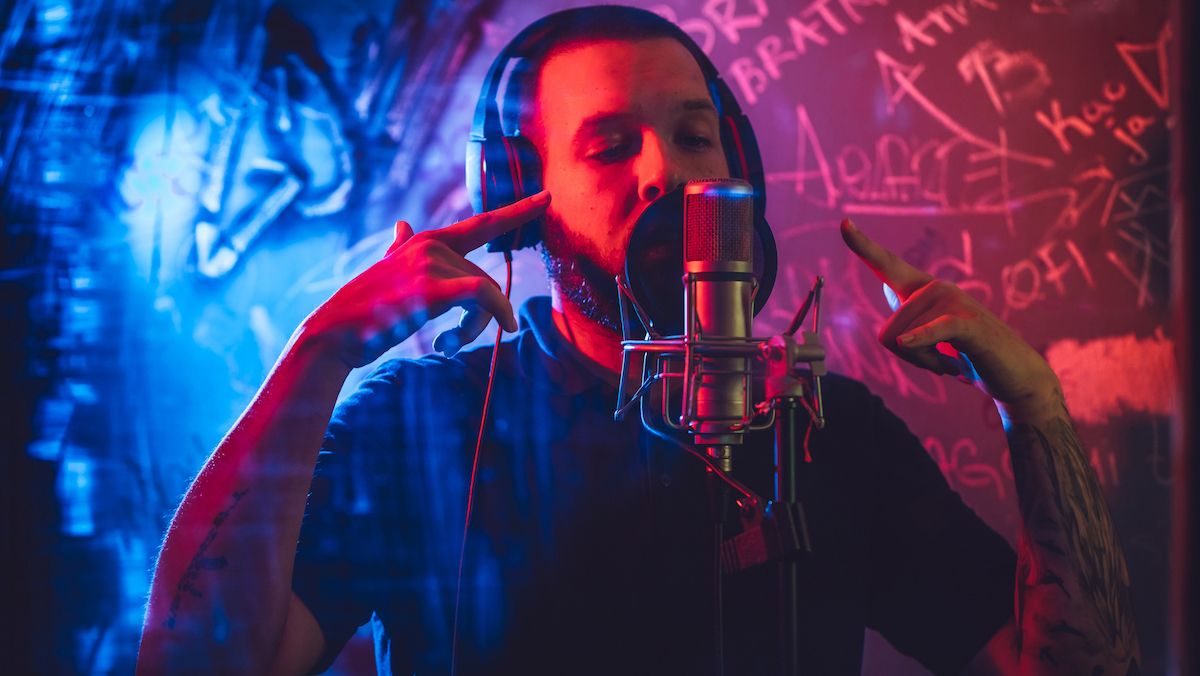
(590, 546)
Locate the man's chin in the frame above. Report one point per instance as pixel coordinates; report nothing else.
(587, 287)
(576, 269)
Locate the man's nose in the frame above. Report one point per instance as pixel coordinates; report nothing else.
(658, 170)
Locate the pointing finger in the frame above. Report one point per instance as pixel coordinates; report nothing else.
(472, 233)
(892, 270)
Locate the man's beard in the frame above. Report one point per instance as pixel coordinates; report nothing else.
(574, 266)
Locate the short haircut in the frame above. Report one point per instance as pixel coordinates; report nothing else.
(574, 27)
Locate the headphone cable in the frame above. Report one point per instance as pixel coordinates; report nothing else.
(487, 399)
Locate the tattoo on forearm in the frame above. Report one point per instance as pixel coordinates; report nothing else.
(1072, 583)
(200, 562)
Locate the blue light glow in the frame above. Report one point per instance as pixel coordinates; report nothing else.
(75, 496)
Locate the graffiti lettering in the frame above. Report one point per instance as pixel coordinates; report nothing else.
(1006, 77)
(942, 19)
(961, 465)
(815, 25)
(1022, 281)
(724, 16)
(811, 165)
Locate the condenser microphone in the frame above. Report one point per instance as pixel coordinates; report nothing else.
(719, 286)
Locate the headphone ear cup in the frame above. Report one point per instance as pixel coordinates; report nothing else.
(745, 162)
(489, 180)
(766, 262)
(526, 165)
(731, 142)
(526, 168)
(500, 184)
(741, 146)
(751, 158)
(521, 177)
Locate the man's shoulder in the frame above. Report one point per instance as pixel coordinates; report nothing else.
(398, 368)
(402, 371)
(409, 383)
(859, 422)
(406, 399)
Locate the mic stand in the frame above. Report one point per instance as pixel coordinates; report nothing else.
(778, 533)
(785, 395)
(787, 428)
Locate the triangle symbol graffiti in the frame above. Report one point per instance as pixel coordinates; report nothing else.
(898, 78)
(1148, 63)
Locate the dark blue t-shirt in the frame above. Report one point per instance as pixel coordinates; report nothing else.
(591, 544)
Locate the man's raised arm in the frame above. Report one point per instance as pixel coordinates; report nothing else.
(221, 593)
(1072, 612)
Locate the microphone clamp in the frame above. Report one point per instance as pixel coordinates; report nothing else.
(677, 358)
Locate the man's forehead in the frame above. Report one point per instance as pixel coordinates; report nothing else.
(581, 79)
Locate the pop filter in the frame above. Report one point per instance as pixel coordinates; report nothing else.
(654, 262)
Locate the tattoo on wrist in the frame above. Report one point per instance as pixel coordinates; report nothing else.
(200, 562)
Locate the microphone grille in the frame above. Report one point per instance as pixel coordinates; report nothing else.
(718, 221)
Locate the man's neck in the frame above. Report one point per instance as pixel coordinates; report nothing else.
(594, 341)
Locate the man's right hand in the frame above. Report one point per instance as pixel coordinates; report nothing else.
(421, 277)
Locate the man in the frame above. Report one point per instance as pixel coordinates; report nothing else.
(590, 546)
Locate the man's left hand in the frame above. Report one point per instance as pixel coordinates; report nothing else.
(937, 324)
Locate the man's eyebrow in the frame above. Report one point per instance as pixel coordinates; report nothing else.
(698, 104)
(594, 123)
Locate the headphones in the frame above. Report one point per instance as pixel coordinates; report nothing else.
(503, 167)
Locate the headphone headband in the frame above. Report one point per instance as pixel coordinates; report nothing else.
(532, 42)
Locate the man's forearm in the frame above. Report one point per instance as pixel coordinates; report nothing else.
(1073, 611)
(223, 579)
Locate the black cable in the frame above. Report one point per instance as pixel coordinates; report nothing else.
(487, 400)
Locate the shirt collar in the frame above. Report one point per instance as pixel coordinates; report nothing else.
(566, 366)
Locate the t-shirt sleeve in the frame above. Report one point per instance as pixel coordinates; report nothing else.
(941, 579)
(341, 558)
